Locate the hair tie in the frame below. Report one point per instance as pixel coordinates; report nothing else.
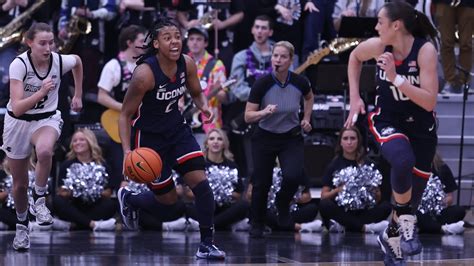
(416, 13)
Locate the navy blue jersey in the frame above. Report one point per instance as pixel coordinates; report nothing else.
(158, 111)
(389, 98)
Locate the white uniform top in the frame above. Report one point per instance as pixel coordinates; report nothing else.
(22, 69)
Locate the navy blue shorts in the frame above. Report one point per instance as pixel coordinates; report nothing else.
(420, 132)
(179, 151)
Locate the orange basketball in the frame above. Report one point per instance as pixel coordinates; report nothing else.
(143, 165)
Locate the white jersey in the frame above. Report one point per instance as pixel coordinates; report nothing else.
(22, 69)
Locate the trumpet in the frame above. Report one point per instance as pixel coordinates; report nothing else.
(76, 27)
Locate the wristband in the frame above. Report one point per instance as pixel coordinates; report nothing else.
(398, 81)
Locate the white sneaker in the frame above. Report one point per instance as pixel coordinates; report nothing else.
(242, 225)
(35, 226)
(107, 225)
(336, 227)
(3, 226)
(453, 228)
(41, 212)
(22, 238)
(393, 254)
(410, 243)
(176, 225)
(314, 226)
(193, 225)
(60, 225)
(375, 228)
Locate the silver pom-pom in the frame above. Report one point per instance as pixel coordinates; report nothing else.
(137, 187)
(359, 186)
(222, 180)
(275, 188)
(432, 200)
(8, 186)
(86, 181)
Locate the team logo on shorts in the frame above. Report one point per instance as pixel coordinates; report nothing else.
(387, 131)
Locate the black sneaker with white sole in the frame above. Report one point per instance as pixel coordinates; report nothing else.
(129, 215)
(210, 252)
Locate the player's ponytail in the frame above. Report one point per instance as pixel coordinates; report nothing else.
(416, 23)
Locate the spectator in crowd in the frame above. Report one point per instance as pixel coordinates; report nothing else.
(223, 17)
(228, 212)
(274, 104)
(450, 219)
(302, 217)
(318, 26)
(355, 8)
(74, 18)
(247, 66)
(7, 215)
(350, 153)
(89, 206)
(211, 73)
(455, 16)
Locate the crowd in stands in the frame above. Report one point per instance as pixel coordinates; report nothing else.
(232, 41)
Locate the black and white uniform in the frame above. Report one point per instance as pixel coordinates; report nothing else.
(18, 130)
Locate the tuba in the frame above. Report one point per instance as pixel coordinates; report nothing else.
(76, 27)
(12, 32)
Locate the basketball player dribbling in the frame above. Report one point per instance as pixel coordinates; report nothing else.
(403, 122)
(151, 108)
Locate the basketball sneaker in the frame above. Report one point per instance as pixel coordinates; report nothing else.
(410, 243)
(22, 238)
(41, 212)
(129, 215)
(391, 248)
(209, 251)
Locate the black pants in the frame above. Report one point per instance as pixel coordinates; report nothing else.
(8, 217)
(225, 216)
(266, 147)
(305, 214)
(431, 224)
(80, 213)
(152, 217)
(353, 220)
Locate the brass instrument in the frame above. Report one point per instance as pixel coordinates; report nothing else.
(335, 47)
(12, 32)
(206, 19)
(77, 26)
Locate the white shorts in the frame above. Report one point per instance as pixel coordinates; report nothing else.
(17, 134)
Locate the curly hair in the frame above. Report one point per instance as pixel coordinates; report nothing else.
(152, 35)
